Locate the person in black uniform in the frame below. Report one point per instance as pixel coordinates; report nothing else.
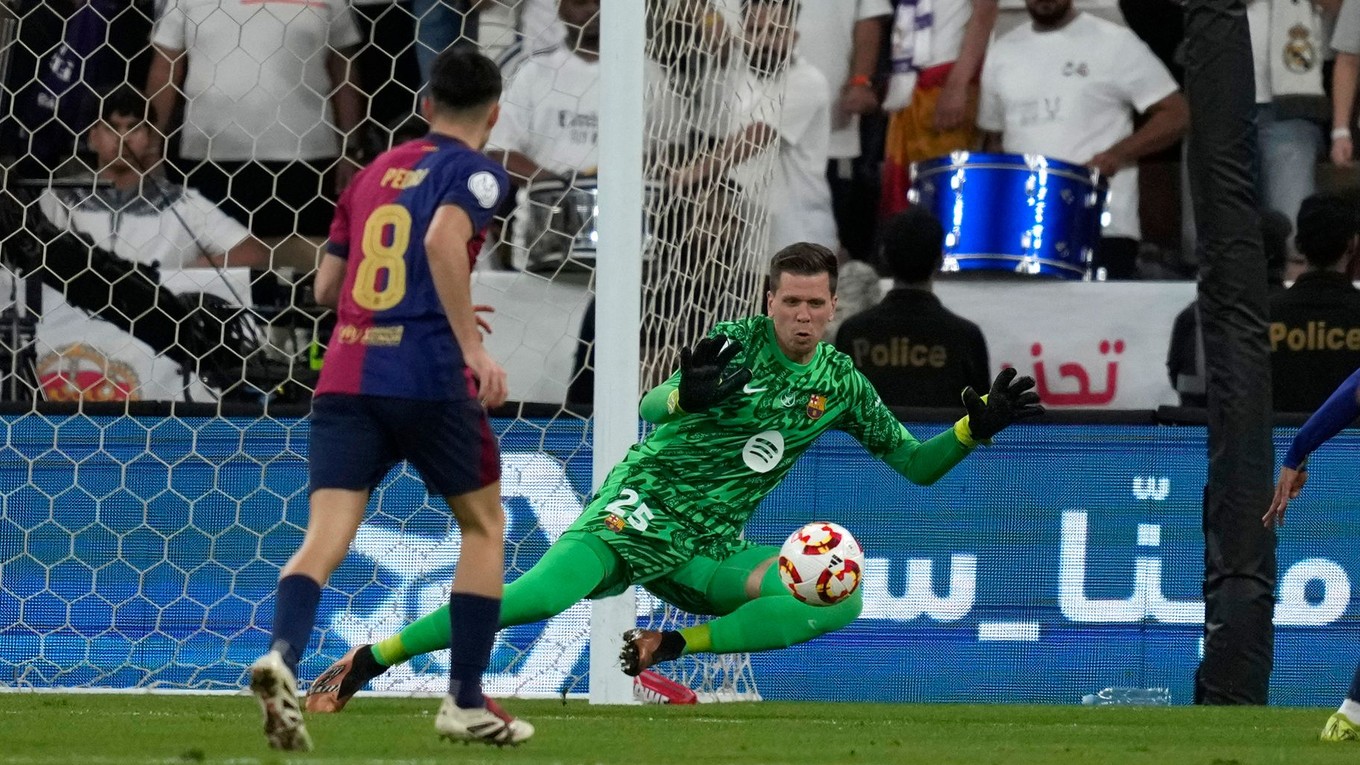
(1185, 356)
(915, 351)
(1315, 324)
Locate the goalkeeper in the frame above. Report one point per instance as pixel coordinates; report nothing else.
(747, 401)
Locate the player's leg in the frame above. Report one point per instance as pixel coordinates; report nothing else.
(451, 444)
(576, 566)
(1345, 724)
(348, 455)
(758, 612)
(474, 616)
(593, 558)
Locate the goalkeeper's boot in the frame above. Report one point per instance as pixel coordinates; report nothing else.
(1340, 728)
(489, 724)
(333, 689)
(647, 648)
(276, 689)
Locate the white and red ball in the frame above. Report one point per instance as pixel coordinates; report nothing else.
(821, 563)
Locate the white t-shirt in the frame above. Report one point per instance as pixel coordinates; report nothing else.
(170, 229)
(540, 25)
(256, 85)
(826, 38)
(169, 226)
(796, 198)
(1345, 33)
(946, 34)
(1070, 94)
(550, 112)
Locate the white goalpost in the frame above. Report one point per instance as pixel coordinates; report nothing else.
(618, 304)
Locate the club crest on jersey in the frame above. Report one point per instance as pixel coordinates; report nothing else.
(614, 523)
(816, 406)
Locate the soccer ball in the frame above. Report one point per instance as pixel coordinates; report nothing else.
(821, 563)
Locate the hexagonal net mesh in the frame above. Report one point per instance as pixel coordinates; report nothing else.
(170, 171)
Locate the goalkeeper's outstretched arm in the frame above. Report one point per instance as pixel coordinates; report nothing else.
(1009, 400)
(925, 462)
(659, 405)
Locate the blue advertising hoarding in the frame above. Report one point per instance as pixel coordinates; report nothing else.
(142, 552)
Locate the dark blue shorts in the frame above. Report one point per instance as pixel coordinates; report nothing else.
(355, 440)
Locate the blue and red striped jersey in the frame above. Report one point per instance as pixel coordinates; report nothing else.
(392, 337)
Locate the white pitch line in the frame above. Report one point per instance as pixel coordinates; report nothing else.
(1012, 631)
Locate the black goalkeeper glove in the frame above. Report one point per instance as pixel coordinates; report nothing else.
(701, 373)
(1010, 400)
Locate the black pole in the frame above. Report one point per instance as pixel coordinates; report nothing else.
(1239, 553)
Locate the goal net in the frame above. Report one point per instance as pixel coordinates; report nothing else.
(159, 339)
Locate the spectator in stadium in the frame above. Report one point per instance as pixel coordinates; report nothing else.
(784, 108)
(843, 41)
(1345, 79)
(1067, 86)
(1185, 355)
(62, 55)
(141, 218)
(138, 214)
(549, 123)
(271, 106)
(1291, 105)
(915, 351)
(1315, 324)
(937, 53)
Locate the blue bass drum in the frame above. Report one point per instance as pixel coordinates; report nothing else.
(1021, 214)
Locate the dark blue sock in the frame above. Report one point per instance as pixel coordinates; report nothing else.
(1354, 693)
(474, 620)
(294, 615)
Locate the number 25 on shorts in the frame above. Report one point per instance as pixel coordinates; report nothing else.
(380, 282)
(639, 517)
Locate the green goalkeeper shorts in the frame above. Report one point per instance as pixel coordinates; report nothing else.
(685, 566)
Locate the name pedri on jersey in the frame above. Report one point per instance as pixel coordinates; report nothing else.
(392, 337)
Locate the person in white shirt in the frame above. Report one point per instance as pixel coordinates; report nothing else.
(549, 123)
(139, 217)
(269, 93)
(937, 50)
(1345, 42)
(843, 40)
(1289, 126)
(784, 108)
(1067, 86)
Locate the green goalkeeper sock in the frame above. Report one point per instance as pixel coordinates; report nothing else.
(774, 620)
(573, 567)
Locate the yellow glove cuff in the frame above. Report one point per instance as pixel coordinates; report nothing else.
(962, 433)
(965, 434)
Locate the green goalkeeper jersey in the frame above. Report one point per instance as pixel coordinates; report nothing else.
(707, 471)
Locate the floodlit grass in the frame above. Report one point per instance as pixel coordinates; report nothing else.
(115, 729)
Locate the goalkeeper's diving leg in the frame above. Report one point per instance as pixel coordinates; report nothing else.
(758, 613)
(575, 567)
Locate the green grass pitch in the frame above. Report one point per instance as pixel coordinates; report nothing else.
(85, 729)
